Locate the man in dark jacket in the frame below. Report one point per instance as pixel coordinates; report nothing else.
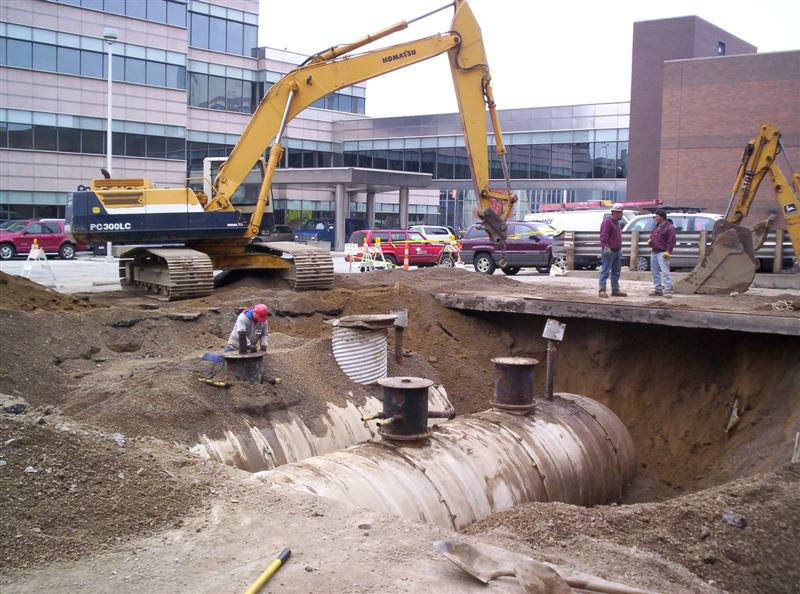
(662, 240)
(611, 245)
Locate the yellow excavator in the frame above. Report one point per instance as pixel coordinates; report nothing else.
(181, 235)
(730, 264)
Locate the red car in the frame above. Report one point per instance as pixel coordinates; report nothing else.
(421, 251)
(49, 234)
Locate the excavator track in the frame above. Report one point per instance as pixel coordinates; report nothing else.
(170, 274)
(313, 267)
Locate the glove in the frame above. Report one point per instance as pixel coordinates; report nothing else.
(606, 251)
(666, 255)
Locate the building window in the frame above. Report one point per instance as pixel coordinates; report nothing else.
(69, 140)
(19, 53)
(81, 58)
(170, 12)
(44, 136)
(44, 57)
(720, 48)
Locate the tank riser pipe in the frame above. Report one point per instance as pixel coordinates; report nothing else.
(572, 449)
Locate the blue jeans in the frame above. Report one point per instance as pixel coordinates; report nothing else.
(610, 266)
(662, 281)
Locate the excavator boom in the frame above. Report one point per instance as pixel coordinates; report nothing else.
(730, 263)
(335, 68)
(215, 235)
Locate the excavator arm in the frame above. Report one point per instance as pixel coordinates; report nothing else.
(336, 68)
(730, 262)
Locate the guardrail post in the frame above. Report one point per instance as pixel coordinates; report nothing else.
(569, 248)
(777, 258)
(634, 250)
(701, 245)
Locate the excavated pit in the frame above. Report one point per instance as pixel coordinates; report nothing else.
(95, 367)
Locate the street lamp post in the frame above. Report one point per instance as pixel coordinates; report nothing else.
(110, 35)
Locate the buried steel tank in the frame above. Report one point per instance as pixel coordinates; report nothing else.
(569, 448)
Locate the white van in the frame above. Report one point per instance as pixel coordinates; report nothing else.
(578, 220)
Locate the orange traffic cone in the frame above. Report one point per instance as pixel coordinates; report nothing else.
(405, 257)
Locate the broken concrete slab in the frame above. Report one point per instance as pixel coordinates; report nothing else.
(624, 312)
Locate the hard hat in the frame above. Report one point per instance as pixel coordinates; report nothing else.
(260, 312)
(617, 207)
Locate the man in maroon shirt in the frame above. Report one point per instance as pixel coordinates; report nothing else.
(662, 240)
(611, 245)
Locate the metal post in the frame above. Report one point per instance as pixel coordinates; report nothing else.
(634, 250)
(550, 372)
(777, 258)
(110, 35)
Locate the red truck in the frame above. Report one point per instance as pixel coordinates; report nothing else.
(48, 233)
(421, 251)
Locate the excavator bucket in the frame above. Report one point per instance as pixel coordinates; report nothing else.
(729, 265)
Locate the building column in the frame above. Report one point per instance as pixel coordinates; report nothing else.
(370, 210)
(340, 210)
(403, 208)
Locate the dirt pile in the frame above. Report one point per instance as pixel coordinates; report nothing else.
(67, 492)
(20, 293)
(130, 365)
(763, 556)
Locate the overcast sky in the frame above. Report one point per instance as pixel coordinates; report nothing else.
(540, 52)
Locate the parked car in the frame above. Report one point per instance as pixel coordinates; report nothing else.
(579, 220)
(529, 245)
(325, 230)
(421, 251)
(683, 221)
(435, 232)
(278, 233)
(49, 234)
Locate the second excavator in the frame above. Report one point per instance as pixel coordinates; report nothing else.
(181, 236)
(730, 264)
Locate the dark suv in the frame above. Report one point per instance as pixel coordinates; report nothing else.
(529, 245)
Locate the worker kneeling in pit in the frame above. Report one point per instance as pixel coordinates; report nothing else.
(253, 321)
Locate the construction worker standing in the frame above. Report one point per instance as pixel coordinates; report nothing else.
(611, 246)
(253, 321)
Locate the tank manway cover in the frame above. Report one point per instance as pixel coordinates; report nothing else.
(405, 383)
(514, 361)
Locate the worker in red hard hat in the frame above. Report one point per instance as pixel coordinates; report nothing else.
(253, 321)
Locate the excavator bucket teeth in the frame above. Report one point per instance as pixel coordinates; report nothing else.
(729, 265)
(493, 224)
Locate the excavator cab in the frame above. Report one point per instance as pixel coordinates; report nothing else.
(730, 264)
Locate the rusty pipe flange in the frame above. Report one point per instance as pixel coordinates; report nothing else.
(513, 409)
(404, 438)
(405, 399)
(513, 385)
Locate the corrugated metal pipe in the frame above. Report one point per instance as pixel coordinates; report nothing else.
(570, 449)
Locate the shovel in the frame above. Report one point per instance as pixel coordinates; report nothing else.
(533, 576)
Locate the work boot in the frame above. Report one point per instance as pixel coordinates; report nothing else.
(618, 293)
(668, 295)
(656, 293)
(602, 293)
